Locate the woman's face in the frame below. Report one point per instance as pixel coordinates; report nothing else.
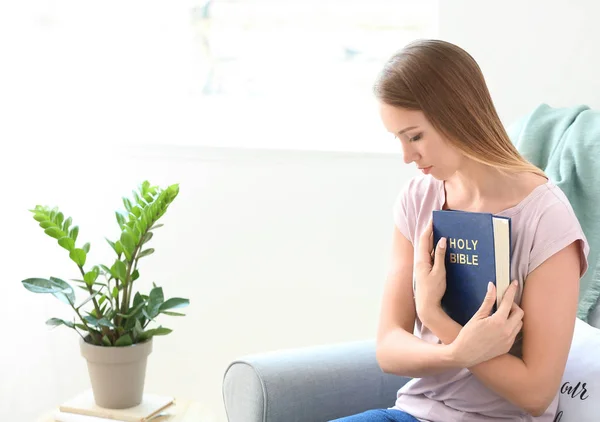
(420, 142)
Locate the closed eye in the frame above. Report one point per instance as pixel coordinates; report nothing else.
(416, 137)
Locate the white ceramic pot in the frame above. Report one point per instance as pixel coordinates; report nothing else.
(117, 374)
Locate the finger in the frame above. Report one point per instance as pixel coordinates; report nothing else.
(439, 264)
(488, 302)
(507, 300)
(516, 314)
(516, 330)
(515, 308)
(426, 243)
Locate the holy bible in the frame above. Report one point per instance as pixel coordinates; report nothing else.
(478, 250)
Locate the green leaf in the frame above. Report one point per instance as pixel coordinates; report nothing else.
(143, 222)
(91, 276)
(66, 293)
(59, 219)
(136, 197)
(138, 298)
(81, 327)
(155, 300)
(134, 311)
(136, 233)
(55, 322)
(67, 243)
(172, 313)
(129, 324)
(156, 226)
(104, 322)
(40, 285)
(46, 224)
(124, 341)
(135, 275)
(78, 256)
(119, 247)
(120, 218)
(173, 191)
(86, 248)
(173, 303)
(40, 217)
(147, 237)
(115, 292)
(54, 232)
(137, 330)
(146, 252)
(112, 245)
(147, 315)
(127, 242)
(127, 204)
(160, 331)
(119, 270)
(106, 341)
(74, 232)
(55, 286)
(67, 224)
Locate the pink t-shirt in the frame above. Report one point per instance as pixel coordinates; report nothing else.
(542, 224)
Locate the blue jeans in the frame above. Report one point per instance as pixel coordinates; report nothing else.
(379, 415)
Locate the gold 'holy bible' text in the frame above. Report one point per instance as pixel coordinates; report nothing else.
(466, 256)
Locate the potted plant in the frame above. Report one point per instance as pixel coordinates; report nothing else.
(113, 319)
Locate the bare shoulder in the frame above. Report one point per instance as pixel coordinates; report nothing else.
(530, 181)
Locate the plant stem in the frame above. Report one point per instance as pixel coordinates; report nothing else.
(80, 335)
(129, 285)
(85, 324)
(105, 330)
(110, 298)
(98, 313)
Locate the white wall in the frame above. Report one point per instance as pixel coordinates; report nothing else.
(530, 51)
(274, 249)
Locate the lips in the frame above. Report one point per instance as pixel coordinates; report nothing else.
(425, 170)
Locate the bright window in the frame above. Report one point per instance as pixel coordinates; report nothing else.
(234, 73)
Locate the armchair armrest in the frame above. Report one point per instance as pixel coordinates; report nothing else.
(311, 384)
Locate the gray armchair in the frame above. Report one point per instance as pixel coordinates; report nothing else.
(311, 384)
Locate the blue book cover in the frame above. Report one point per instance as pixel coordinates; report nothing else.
(478, 251)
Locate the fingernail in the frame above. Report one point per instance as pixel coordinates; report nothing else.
(490, 284)
(442, 243)
(515, 283)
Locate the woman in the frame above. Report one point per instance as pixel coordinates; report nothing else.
(434, 99)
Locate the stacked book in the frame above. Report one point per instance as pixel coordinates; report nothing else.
(82, 408)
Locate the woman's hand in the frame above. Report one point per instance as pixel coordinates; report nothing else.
(430, 279)
(484, 337)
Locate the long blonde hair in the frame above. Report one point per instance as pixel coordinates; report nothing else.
(446, 84)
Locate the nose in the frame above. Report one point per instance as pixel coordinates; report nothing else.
(408, 153)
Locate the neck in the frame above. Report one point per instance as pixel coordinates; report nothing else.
(477, 183)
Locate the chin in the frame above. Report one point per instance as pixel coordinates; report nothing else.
(438, 174)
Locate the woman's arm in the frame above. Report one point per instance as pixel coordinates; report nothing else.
(549, 303)
(399, 351)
